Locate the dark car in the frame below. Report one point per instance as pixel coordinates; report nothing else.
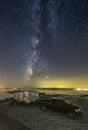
(60, 105)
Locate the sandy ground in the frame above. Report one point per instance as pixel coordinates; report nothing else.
(8, 123)
(35, 119)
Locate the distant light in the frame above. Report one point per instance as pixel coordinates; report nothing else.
(80, 89)
(85, 89)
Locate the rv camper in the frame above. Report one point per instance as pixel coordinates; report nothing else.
(26, 96)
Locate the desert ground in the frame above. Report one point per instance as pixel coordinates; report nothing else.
(32, 117)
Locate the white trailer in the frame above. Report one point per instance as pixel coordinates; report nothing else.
(26, 96)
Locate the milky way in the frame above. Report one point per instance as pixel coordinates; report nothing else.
(35, 64)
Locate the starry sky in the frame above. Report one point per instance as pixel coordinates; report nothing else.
(44, 43)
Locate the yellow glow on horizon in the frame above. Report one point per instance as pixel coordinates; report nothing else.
(63, 83)
(2, 87)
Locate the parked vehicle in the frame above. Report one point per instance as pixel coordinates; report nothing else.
(25, 96)
(60, 105)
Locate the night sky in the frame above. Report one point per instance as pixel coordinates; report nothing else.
(44, 43)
